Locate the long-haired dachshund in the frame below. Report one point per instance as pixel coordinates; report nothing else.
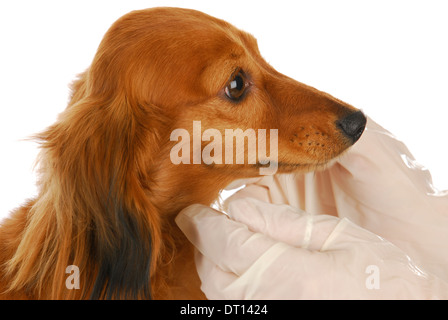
(108, 188)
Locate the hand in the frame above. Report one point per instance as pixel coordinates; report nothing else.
(377, 185)
(266, 251)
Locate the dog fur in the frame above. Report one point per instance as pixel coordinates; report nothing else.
(108, 192)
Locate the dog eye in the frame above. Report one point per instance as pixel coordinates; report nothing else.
(236, 86)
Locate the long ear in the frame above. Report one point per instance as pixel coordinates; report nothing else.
(99, 152)
(126, 227)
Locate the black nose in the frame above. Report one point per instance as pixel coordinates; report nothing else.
(352, 125)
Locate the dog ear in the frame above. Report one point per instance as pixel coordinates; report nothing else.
(126, 227)
(122, 251)
(100, 150)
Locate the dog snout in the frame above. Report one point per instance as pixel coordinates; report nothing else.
(352, 125)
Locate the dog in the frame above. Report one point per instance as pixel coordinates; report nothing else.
(108, 192)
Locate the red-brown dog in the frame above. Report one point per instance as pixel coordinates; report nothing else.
(109, 191)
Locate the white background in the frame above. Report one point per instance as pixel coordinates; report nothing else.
(389, 58)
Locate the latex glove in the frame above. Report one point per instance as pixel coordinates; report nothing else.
(267, 251)
(379, 186)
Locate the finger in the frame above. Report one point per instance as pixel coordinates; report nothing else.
(214, 280)
(283, 223)
(227, 243)
(289, 274)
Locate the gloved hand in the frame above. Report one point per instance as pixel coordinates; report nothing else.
(267, 251)
(377, 185)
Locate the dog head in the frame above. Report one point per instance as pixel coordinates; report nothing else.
(178, 67)
(108, 159)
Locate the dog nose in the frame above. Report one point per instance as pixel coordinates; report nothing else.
(352, 125)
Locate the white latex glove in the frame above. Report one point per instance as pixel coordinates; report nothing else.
(267, 251)
(379, 186)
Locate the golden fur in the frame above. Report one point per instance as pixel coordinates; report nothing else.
(108, 192)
